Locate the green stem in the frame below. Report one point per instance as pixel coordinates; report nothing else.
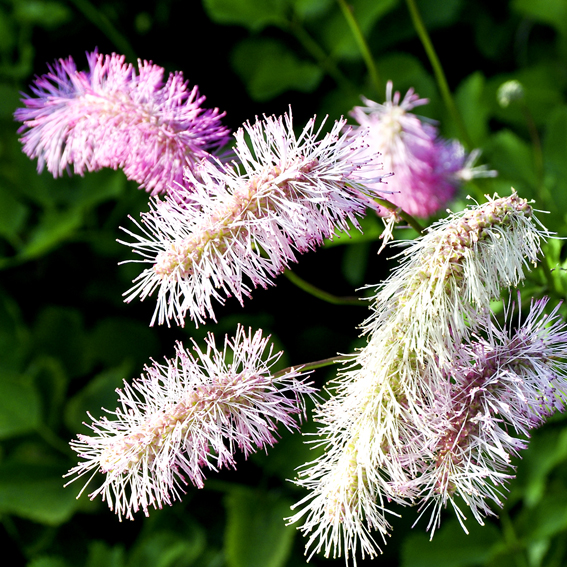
(314, 365)
(362, 45)
(320, 294)
(438, 71)
(401, 213)
(106, 27)
(322, 58)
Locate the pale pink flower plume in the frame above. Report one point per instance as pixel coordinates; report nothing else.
(111, 116)
(241, 225)
(427, 168)
(186, 416)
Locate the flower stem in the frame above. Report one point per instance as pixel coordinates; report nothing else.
(362, 45)
(314, 365)
(400, 212)
(321, 294)
(438, 71)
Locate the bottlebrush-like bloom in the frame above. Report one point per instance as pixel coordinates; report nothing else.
(112, 117)
(187, 415)
(380, 420)
(427, 169)
(247, 222)
(508, 380)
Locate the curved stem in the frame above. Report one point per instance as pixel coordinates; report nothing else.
(400, 212)
(314, 365)
(322, 58)
(438, 71)
(321, 294)
(362, 45)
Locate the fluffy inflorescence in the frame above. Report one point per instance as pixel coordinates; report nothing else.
(186, 416)
(241, 225)
(427, 169)
(425, 412)
(113, 117)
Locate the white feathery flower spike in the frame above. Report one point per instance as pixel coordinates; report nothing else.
(188, 415)
(241, 226)
(380, 410)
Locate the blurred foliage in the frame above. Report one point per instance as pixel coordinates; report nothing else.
(67, 340)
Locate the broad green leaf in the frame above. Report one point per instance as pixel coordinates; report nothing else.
(9, 96)
(439, 13)
(36, 492)
(473, 107)
(256, 534)
(47, 561)
(7, 35)
(552, 12)
(59, 332)
(167, 549)
(513, 158)
(310, 9)
(339, 38)
(54, 228)
(555, 158)
(20, 410)
(45, 14)
(13, 212)
(14, 335)
(102, 555)
(114, 340)
(451, 546)
(99, 393)
(269, 68)
(248, 13)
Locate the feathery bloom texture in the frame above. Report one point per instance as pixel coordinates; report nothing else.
(112, 117)
(504, 382)
(240, 226)
(187, 415)
(427, 169)
(380, 419)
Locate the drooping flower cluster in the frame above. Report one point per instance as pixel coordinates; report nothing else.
(427, 168)
(241, 225)
(113, 117)
(188, 415)
(420, 415)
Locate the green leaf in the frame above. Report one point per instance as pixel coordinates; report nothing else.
(59, 333)
(338, 36)
(13, 213)
(47, 561)
(248, 13)
(473, 107)
(53, 228)
(552, 12)
(48, 15)
(20, 409)
(513, 158)
(99, 393)
(102, 555)
(36, 492)
(167, 549)
(269, 68)
(310, 9)
(256, 534)
(555, 159)
(113, 340)
(451, 546)
(14, 336)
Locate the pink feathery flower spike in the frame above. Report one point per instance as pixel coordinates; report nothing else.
(188, 415)
(241, 225)
(501, 386)
(113, 117)
(427, 168)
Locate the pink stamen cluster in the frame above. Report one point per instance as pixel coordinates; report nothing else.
(113, 117)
